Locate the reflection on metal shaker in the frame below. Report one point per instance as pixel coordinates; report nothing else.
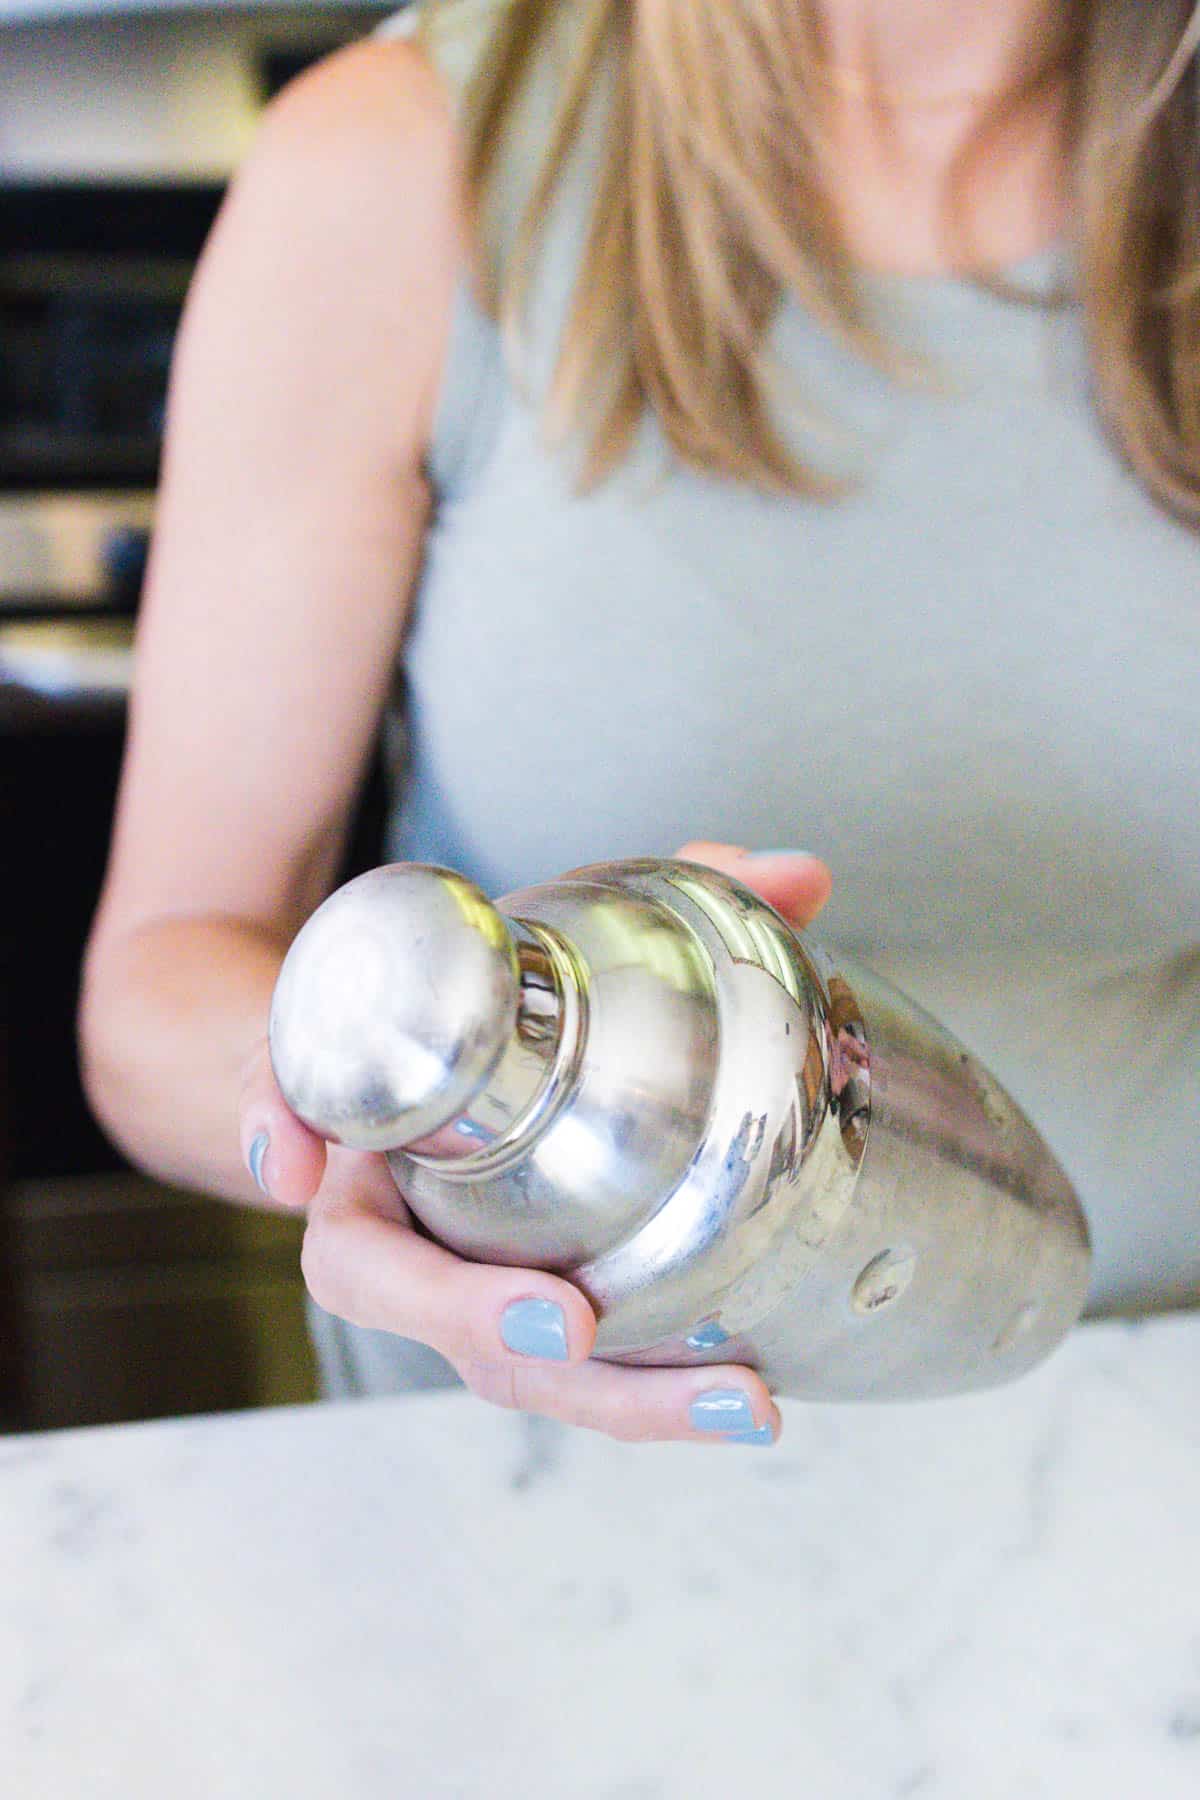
(740, 1148)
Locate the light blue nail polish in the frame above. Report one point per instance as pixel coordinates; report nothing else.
(258, 1151)
(763, 1435)
(535, 1328)
(765, 855)
(722, 1409)
(707, 1336)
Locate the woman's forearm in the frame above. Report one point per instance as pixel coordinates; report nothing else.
(170, 1016)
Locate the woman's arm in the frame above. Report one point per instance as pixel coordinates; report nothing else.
(288, 529)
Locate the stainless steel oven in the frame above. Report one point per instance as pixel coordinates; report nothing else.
(119, 1297)
(92, 279)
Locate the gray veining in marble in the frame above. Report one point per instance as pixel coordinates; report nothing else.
(970, 1599)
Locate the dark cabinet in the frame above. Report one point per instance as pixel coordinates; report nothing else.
(120, 1298)
(136, 1300)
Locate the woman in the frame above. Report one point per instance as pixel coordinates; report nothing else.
(838, 474)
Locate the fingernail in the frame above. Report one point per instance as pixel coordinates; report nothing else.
(722, 1409)
(773, 855)
(535, 1328)
(707, 1336)
(764, 1435)
(258, 1151)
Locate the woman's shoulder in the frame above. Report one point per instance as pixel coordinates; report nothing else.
(344, 219)
(355, 165)
(357, 107)
(453, 35)
(381, 118)
(527, 51)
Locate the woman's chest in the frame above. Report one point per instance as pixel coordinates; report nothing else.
(973, 685)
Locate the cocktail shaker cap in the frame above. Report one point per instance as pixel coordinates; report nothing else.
(394, 1004)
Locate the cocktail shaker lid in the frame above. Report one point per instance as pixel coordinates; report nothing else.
(393, 1006)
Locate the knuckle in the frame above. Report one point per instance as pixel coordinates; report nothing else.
(256, 1072)
(448, 1315)
(629, 1428)
(625, 1424)
(494, 1382)
(531, 1390)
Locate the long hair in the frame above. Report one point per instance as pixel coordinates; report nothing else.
(709, 205)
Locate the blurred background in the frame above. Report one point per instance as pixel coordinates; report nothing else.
(119, 126)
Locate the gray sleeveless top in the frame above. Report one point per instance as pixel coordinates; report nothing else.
(973, 688)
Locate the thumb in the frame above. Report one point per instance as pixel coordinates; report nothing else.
(286, 1159)
(793, 882)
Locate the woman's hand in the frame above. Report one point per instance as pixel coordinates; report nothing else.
(518, 1337)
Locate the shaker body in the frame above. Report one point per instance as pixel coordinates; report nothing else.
(962, 1256)
(755, 1153)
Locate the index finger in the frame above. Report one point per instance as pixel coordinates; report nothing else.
(793, 882)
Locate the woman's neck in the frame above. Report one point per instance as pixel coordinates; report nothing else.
(927, 48)
(906, 83)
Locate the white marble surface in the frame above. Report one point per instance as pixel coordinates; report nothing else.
(990, 1597)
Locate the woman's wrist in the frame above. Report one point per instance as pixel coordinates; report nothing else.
(171, 1016)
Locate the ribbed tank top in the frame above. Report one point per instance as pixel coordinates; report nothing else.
(972, 687)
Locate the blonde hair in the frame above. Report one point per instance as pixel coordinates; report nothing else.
(709, 206)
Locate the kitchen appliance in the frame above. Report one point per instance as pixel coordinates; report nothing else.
(119, 1296)
(739, 1148)
(92, 279)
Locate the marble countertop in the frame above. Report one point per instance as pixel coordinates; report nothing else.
(962, 1600)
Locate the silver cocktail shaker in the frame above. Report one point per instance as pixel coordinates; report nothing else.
(739, 1148)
